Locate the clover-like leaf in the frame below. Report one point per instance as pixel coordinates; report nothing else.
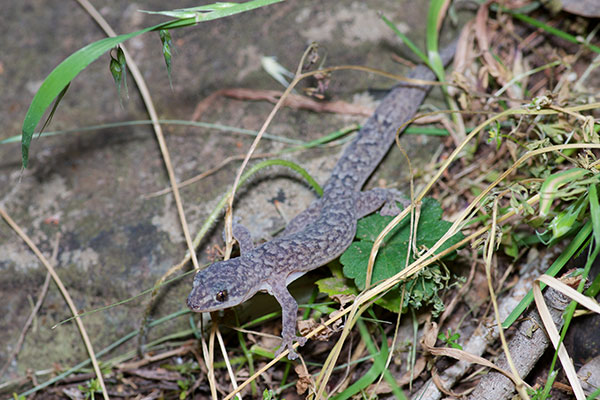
(392, 257)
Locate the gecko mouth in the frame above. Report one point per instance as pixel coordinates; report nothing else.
(192, 305)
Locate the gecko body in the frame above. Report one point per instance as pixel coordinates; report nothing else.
(323, 231)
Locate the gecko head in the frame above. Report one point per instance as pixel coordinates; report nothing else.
(221, 285)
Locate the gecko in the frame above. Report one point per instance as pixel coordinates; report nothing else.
(324, 230)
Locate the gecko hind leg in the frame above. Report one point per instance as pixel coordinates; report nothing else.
(390, 207)
(373, 199)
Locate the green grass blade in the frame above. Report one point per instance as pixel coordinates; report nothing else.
(594, 395)
(213, 11)
(581, 237)
(67, 70)
(55, 106)
(435, 13)
(407, 41)
(551, 30)
(595, 213)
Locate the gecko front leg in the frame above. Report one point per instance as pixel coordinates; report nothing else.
(242, 235)
(289, 311)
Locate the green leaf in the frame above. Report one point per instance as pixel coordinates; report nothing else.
(392, 256)
(67, 70)
(450, 339)
(550, 188)
(567, 220)
(200, 13)
(268, 394)
(336, 285)
(436, 8)
(123, 64)
(55, 106)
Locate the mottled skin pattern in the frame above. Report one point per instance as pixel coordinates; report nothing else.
(319, 234)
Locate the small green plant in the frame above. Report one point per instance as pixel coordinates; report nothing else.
(92, 386)
(450, 339)
(184, 385)
(184, 368)
(536, 393)
(187, 370)
(269, 394)
(118, 70)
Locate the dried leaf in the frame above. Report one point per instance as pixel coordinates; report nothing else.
(304, 381)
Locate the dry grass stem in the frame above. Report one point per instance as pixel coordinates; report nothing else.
(490, 250)
(550, 327)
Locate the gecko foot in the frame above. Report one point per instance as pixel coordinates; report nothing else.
(288, 343)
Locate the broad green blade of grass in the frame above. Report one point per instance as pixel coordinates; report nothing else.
(59, 78)
(67, 70)
(437, 9)
(581, 237)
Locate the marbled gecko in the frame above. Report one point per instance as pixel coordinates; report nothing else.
(323, 231)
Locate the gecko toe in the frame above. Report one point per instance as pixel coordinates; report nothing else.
(301, 340)
(289, 345)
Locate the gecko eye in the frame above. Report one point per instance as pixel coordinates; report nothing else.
(221, 296)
